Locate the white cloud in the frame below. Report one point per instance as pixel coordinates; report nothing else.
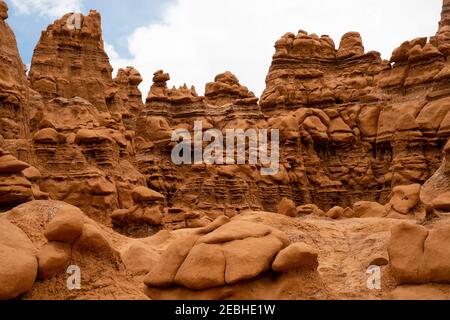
(46, 8)
(111, 51)
(198, 39)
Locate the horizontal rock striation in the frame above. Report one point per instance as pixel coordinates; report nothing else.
(352, 125)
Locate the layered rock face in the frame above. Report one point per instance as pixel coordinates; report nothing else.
(70, 61)
(353, 126)
(83, 128)
(229, 260)
(13, 84)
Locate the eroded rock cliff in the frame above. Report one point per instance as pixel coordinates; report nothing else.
(363, 156)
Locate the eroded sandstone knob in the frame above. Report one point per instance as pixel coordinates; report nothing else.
(287, 207)
(296, 256)
(351, 45)
(159, 90)
(233, 252)
(10, 164)
(18, 264)
(53, 258)
(66, 225)
(228, 253)
(226, 89)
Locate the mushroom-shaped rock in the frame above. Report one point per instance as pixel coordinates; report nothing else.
(32, 173)
(10, 165)
(226, 89)
(151, 215)
(159, 90)
(296, 256)
(15, 189)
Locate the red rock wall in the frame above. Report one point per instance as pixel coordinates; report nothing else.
(352, 125)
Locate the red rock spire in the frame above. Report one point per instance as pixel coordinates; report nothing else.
(442, 40)
(445, 15)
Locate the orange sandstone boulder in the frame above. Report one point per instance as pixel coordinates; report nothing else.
(53, 258)
(287, 208)
(296, 256)
(18, 263)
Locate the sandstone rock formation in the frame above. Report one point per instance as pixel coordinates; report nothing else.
(18, 267)
(87, 179)
(13, 84)
(84, 128)
(43, 239)
(220, 260)
(419, 255)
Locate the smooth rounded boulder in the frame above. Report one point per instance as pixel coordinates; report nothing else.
(53, 258)
(296, 256)
(66, 226)
(18, 263)
(287, 208)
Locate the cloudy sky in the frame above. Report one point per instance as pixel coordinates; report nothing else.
(194, 40)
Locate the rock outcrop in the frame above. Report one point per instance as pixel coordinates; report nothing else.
(222, 258)
(69, 61)
(83, 131)
(419, 255)
(87, 177)
(18, 267)
(148, 210)
(43, 238)
(13, 84)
